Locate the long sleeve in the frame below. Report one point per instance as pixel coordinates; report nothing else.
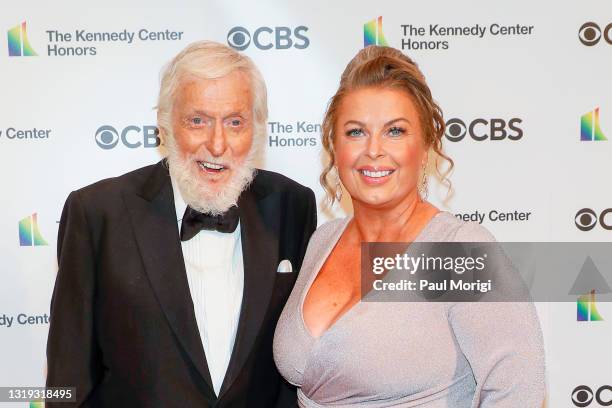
(503, 343)
(73, 357)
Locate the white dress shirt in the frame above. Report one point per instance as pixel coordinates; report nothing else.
(215, 273)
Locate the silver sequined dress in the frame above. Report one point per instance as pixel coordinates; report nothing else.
(412, 354)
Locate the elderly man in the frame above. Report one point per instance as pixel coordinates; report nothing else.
(172, 277)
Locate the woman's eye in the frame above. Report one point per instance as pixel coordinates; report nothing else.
(355, 132)
(197, 121)
(235, 122)
(396, 131)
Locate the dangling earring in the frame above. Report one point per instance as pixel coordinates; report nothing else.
(423, 185)
(338, 185)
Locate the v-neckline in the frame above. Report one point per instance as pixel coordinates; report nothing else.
(320, 264)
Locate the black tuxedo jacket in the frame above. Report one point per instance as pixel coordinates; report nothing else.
(123, 329)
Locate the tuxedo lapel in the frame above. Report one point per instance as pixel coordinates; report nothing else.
(260, 257)
(153, 220)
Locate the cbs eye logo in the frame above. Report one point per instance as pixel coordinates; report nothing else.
(265, 38)
(482, 129)
(583, 396)
(586, 219)
(239, 38)
(590, 33)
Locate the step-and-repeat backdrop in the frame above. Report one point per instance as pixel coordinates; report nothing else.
(525, 86)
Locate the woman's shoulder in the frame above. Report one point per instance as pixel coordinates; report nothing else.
(445, 227)
(324, 238)
(330, 229)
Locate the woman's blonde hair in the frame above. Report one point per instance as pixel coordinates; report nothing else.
(376, 66)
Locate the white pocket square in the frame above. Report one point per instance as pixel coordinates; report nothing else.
(284, 266)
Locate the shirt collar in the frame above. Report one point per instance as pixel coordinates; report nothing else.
(180, 206)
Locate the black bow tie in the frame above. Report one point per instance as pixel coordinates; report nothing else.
(194, 221)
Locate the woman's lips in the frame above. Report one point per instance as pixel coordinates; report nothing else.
(374, 176)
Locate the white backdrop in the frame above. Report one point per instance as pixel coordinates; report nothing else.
(528, 89)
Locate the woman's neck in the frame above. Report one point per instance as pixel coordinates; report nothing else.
(400, 223)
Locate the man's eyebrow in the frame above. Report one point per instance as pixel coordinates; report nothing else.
(208, 115)
(236, 113)
(199, 112)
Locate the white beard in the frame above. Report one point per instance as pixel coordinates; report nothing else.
(197, 193)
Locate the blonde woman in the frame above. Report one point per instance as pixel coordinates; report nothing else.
(340, 351)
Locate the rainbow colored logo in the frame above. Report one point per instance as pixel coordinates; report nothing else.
(589, 127)
(18, 43)
(587, 310)
(37, 404)
(29, 234)
(373, 33)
